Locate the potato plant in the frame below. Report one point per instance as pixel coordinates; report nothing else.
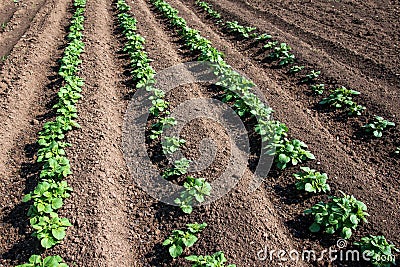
(171, 144)
(318, 88)
(216, 260)
(342, 98)
(311, 77)
(180, 167)
(210, 11)
(289, 152)
(50, 261)
(51, 191)
(377, 126)
(195, 190)
(179, 240)
(378, 250)
(310, 180)
(342, 215)
(295, 69)
(242, 31)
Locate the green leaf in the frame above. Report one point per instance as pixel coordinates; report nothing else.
(58, 233)
(175, 251)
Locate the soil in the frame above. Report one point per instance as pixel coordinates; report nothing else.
(115, 223)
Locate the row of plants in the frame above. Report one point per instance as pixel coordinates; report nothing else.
(342, 214)
(52, 190)
(196, 189)
(339, 98)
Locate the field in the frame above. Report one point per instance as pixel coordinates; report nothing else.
(114, 222)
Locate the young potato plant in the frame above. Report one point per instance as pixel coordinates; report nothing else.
(342, 214)
(311, 77)
(50, 261)
(179, 240)
(282, 53)
(216, 260)
(208, 8)
(263, 37)
(289, 152)
(242, 31)
(171, 144)
(50, 192)
(377, 126)
(397, 151)
(295, 69)
(47, 197)
(180, 167)
(159, 127)
(378, 250)
(318, 88)
(195, 189)
(50, 230)
(342, 98)
(310, 180)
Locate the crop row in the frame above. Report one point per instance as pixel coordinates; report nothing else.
(342, 214)
(52, 190)
(195, 189)
(339, 98)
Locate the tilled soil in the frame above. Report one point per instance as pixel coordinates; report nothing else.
(115, 222)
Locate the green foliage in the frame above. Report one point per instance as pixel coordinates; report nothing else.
(47, 197)
(50, 261)
(295, 69)
(50, 192)
(50, 230)
(171, 144)
(311, 77)
(282, 52)
(342, 98)
(310, 180)
(397, 151)
(195, 189)
(208, 8)
(289, 152)
(318, 88)
(216, 260)
(377, 126)
(180, 167)
(242, 31)
(179, 240)
(263, 37)
(161, 125)
(378, 250)
(342, 214)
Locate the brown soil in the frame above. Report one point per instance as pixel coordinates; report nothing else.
(115, 222)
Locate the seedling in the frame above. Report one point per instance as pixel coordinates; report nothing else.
(311, 77)
(50, 230)
(295, 69)
(3, 25)
(318, 88)
(342, 214)
(270, 45)
(216, 260)
(171, 144)
(342, 98)
(378, 250)
(159, 127)
(397, 151)
(50, 261)
(196, 189)
(377, 126)
(289, 152)
(180, 167)
(263, 37)
(3, 58)
(235, 27)
(179, 240)
(310, 180)
(47, 197)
